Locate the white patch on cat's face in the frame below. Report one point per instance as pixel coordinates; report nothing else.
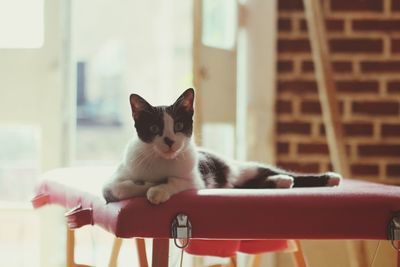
(179, 140)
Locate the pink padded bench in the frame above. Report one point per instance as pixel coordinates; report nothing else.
(354, 210)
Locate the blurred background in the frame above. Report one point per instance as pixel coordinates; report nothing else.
(67, 68)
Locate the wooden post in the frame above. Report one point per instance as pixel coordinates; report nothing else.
(261, 34)
(326, 86)
(329, 105)
(197, 68)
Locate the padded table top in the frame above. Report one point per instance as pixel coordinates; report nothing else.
(354, 210)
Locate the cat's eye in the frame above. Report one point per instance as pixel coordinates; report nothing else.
(178, 126)
(154, 129)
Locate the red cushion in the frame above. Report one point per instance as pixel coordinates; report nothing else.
(218, 248)
(228, 248)
(262, 246)
(354, 210)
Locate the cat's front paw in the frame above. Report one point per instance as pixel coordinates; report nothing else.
(108, 195)
(157, 195)
(281, 180)
(333, 178)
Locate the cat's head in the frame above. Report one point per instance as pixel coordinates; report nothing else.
(168, 129)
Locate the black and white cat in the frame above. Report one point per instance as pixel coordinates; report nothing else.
(164, 160)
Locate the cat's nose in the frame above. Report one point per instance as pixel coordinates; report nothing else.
(169, 142)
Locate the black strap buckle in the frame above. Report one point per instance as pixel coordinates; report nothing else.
(393, 230)
(181, 229)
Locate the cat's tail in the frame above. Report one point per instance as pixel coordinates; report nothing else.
(317, 180)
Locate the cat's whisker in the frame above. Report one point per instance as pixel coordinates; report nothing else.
(143, 159)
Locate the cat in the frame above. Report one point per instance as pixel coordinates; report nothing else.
(163, 160)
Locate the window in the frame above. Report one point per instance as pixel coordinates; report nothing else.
(19, 166)
(19, 161)
(118, 49)
(219, 23)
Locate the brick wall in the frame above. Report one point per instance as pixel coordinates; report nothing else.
(364, 37)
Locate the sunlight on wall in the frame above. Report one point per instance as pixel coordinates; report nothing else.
(21, 23)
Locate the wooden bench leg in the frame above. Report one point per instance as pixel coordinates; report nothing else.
(141, 251)
(255, 260)
(299, 255)
(160, 252)
(232, 262)
(115, 252)
(70, 248)
(70, 257)
(398, 255)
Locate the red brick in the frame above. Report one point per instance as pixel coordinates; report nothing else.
(282, 148)
(393, 87)
(390, 130)
(338, 66)
(297, 86)
(294, 127)
(351, 6)
(314, 107)
(285, 66)
(342, 66)
(358, 129)
(382, 25)
(293, 45)
(309, 167)
(284, 107)
(332, 25)
(284, 25)
(395, 44)
(357, 86)
(312, 148)
(395, 5)
(330, 167)
(364, 169)
(290, 5)
(356, 45)
(307, 66)
(310, 107)
(379, 150)
(376, 108)
(355, 129)
(380, 66)
(393, 170)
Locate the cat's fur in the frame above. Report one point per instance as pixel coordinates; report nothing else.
(164, 160)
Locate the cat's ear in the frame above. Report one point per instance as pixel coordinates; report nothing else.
(186, 100)
(138, 104)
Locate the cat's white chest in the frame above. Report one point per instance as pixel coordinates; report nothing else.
(152, 168)
(161, 169)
